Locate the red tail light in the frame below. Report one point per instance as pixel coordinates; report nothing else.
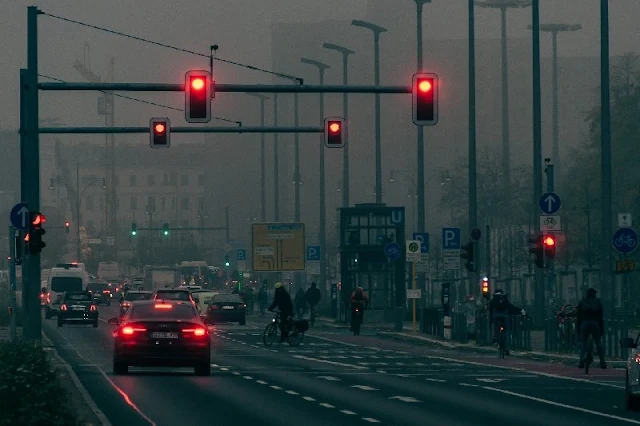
(129, 330)
(63, 307)
(197, 331)
(93, 308)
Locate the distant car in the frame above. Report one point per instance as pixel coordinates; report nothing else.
(167, 333)
(78, 307)
(632, 384)
(173, 294)
(227, 308)
(132, 296)
(101, 292)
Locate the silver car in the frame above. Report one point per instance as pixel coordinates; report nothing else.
(632, 385)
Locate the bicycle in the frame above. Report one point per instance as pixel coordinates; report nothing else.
(356, 319)
(502, 338)
(312, 315)
(272, 332)
(589, 355)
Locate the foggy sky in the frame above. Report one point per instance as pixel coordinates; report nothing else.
(241, 28)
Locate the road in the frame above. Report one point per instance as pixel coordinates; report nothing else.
(337, 379)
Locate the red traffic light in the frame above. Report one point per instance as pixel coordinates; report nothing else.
(198, 87)
(334, 127)
(425, 99)
(424, 86)
(549, 241)
(159, 132)
(197, 83)
(38, 219)
(334, 132)
(66, 224)
(159, 128)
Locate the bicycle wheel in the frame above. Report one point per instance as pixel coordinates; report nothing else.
(271, 333)
(295, 337)
(501, 344)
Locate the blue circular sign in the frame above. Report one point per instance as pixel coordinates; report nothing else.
(625, 240)
(392, 251)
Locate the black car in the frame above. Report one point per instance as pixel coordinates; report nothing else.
(78, 307)
(164, 333)
(227, 308)
(131, 296)
(101, 292)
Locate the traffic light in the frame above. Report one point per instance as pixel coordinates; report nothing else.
(66, 227)
(468, 252)
(197, 90)
(35, 233)
(537, 249)
(485, 287)
(549, 247)
(159, 132)
(165, 228)
(334, 132)
(227, 263)
(425, 99)
(134, 229)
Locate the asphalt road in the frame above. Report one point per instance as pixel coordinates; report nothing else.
(337, 379)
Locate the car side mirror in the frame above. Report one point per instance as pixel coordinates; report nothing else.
(628, 342)
(113, 321)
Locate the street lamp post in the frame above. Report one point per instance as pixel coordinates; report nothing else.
(377, 30)
(297, 181)
(276, 165)
(345, 107)
(202, 215)
(263, 180)
(503, 5)
(78, 201)
(323, 219)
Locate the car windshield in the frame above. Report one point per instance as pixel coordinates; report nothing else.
(227, 298)
(173, 295)
(137, 296)
(62, 284)
(78, 297)
(163, 311)
(97, 287)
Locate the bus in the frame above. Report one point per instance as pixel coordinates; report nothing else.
(195, 272)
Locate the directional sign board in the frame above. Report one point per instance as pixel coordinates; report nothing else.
(550, 223)
(625, 240)
(423, 237)
(550, 203)
(278, 246)
(625, 220)
(392, 251)
(413, 251)
(241, 255)
(414, 294)
(19, 216)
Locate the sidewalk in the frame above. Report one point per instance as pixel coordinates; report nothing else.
(387, 331)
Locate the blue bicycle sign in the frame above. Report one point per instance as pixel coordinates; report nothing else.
(625, 240)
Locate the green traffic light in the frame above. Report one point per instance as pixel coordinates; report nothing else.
(166, 232)
(134, 233)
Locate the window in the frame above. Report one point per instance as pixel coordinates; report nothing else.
(163, 203)
(151, 202)
(185, 203)
(133, 180)
(200, 180)
(134, 203)
(89, 204)
(184, 180)
(151, 180)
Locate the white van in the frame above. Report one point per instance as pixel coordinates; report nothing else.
(69, 277)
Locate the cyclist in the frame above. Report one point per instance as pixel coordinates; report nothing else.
(282, 301)
(590, 321)
(313, 297)
(300, 302)
(359, 299)
(500, 309)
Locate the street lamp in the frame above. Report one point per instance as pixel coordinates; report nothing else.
(263, 180)
(503, 5)
(345, 108)
(377, 30)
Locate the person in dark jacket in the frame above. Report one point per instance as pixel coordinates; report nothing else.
(501, 310)
(590, 321)
(282, 301)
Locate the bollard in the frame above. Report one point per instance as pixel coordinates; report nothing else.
(447, 327)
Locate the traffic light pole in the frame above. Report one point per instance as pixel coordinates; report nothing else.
(13, 255)
(550, 263)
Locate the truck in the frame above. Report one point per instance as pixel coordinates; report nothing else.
(109, 272)
(157, 277)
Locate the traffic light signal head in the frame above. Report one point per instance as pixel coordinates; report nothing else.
(537, 249)
(549, 246)
(485, 287)
(134, 229)
(35, 233)
(425, 99)
(226, 260)
(334, 132)
(468, 252)
(165, 228)
(67, 225)
(197, 89)
(159, 132)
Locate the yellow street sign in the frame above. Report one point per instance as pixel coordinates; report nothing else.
(278, 247)
(625, 265)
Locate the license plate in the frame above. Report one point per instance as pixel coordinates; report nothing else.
(77, 308)
(164, 335)
(227, 307)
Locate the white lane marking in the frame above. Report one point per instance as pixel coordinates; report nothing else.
(359, 367)
(262, 382)
(308, 398)
(214, 365)
(224, 369)
(381, 372)
(469, 385)
(275, 387)
(348, 412)
(405, 398)
(370, 420)
(558, 404)
(247, 377)
(290, 392)
(329, 378)
(327, 405)
(326, 339)
(435, 380)
(364, 387)
(488, 380)
(403, 375)
(235, 373)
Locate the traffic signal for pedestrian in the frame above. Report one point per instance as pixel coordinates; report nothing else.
(485, 287)
(425, 99)
(549, 246)
(334, 132)
(35, 233)
(134, 229)
(165, 228)
(227, 263)
(160, 132)
(468, 252)
(537, 249)
(197, 89)
(66, 226)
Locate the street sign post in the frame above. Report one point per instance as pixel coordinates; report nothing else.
(313, 260)
(550, 223)
(392, 251)
(241, 254)
(278, 247)
(625, 240)
(19, 216)
(451, 248)
(625, 220)
(550, 203)
(413, 251)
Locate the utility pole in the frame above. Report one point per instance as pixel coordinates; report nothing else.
(276, 165)
(550, 263)
(296, 160)
(78, 200)
(473, 197)
(263, 180)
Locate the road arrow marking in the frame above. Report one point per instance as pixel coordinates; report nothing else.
(491, 380)
(364, 387)
(329, 378)
(405, 398)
